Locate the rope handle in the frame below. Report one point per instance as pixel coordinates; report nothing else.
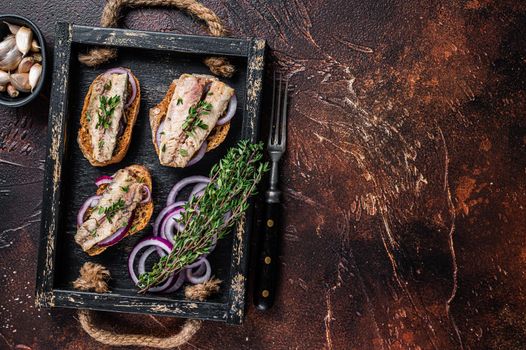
(110, 18)
(94, 277)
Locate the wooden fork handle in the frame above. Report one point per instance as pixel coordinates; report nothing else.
(267, 266)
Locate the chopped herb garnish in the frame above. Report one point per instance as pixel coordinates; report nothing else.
(101, 144)
(193, 121)
(106, 108)
(88, 117)
(183, 152)
(125, 188)
(107, 86)
(112, 209)
(179, 101)
(210, 93)
(164, 148)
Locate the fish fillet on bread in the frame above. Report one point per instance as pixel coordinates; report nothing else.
(185, 123)
(108, 115)
(123, 206)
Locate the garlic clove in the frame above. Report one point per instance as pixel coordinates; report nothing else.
(34, 75)
(37, 57)
(4, 77)
(11, 60)
(13, 28)
(24, 37)
(20, 81)
(25, 65)
(7, 45)
(34, 46)
(11, 91)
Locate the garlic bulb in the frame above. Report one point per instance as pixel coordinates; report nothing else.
(4, 77)
(25, 65)
(13, 28)
(21, 82)
(24, 37)
(34, 75)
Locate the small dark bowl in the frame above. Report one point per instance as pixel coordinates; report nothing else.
(23, 98)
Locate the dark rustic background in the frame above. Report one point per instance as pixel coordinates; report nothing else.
(404, 180)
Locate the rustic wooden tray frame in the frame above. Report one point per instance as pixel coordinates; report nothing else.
(253, 50)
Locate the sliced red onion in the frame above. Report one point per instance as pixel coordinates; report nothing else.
(130, 79)
(232, 105)
(168, 225)
(200, 154)
(142, 268)
(182, 183)
(162, 215)
(104, 179)
(155, 242)
(177, 282)
(121, 127)
(158, 134)
(205, 277)
(148, 193)
(117, 236)
(199, 188)
(90, 202)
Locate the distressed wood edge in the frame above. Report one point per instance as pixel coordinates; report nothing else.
(56, 141)
(118, 37)
(114, 302)
(250, 131)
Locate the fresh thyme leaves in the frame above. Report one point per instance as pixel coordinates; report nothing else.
(179, 101)
(233, 181)
(193, 121)
(164, 148)
(101, 144)
(125, 188)
(107, 86)
(112, 209)
(88, 116)
(183, 152)
(106, 108)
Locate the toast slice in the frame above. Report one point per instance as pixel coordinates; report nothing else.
(158, 113)
(142, 213)
(123, 141)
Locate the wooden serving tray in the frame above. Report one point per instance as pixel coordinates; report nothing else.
(156, 59)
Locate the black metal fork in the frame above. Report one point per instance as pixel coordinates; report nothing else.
(266, 274)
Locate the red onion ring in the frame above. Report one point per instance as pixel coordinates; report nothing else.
(148, 198)
(104, 179)
(198, 190)
(182, 183)
(117, 236)
(90, 202)
(162, 215)
(170, 223)
(156, 242)
(200, 154)
(205, 277)
(130, 79)
(181, 276)
(232, 105)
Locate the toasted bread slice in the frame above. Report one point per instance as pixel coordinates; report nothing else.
(142, 213)
(158, 113)
(123, 143)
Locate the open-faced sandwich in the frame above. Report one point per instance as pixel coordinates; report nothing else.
(108, 115)
(123, 206)
(194, 117)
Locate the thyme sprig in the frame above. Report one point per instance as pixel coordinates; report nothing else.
(106, 108)
(233, 181)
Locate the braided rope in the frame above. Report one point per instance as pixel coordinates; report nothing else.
(110, 18)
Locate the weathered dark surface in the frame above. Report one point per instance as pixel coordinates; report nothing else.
(405, 175)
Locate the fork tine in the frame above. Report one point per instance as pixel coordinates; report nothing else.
(283, 139)
(278, 114)
(272, 112)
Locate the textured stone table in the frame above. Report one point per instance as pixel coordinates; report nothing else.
(404, 181)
